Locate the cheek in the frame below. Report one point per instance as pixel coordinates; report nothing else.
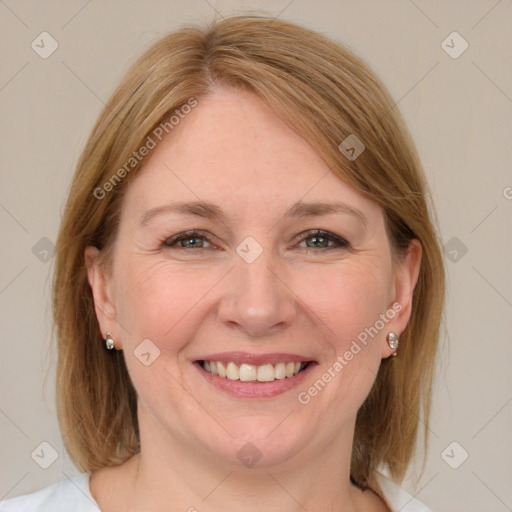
(165, 303)
(159, 301)
(348, 297)
(349, 302)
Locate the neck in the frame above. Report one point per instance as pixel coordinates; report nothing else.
(242, 491)
(173, 473)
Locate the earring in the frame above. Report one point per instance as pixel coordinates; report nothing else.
(109, 342)
(393, 341)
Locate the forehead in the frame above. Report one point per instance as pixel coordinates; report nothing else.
(234, 150)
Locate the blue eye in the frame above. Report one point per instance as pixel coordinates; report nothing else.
(195, 240)
(188, 237)
(322, 238)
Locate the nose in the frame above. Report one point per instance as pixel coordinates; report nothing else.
(257, 300)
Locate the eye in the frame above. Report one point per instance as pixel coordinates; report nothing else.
(196, 239)
(322, 238)
(189, 239)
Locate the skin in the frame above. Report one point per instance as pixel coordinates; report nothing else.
(233, 151)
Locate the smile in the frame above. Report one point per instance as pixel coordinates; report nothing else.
(248, 375)
(253, 373)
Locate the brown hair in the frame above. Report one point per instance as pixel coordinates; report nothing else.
(326, 94)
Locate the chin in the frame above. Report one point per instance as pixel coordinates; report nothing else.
(260, 442)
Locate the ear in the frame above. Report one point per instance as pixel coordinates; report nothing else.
(404, 281)
(102, 290)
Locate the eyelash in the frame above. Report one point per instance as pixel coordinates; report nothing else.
(341, 242)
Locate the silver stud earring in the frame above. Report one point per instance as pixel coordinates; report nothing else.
(109, 342)
(393, 341)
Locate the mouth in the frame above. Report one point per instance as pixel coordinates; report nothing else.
(254, 373)
(254, 376)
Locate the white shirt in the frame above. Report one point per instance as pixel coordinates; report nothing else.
(74, 495)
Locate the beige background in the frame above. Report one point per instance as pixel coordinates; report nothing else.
(459, 111)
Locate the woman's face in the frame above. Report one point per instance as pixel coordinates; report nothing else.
(255, 289)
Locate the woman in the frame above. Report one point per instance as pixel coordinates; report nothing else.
(248, 285)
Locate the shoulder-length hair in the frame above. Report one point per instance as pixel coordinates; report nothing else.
(325, 93)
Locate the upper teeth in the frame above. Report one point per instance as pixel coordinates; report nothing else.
(250, 372)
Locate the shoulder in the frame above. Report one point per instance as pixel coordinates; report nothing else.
(397, 498)
(70, 494)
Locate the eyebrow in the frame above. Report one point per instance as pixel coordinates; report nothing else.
(214, 212)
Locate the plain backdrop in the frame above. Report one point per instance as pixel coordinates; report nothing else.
(459, 110)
